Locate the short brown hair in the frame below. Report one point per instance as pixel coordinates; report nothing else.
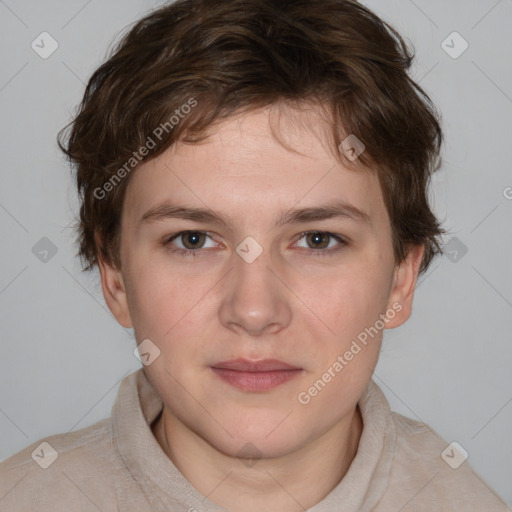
(231, 56)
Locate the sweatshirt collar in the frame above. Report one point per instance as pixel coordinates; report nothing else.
(137, 405)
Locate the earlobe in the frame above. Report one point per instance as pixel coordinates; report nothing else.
(404, 284)
(114, 291)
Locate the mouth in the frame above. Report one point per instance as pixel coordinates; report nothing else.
(256, 375)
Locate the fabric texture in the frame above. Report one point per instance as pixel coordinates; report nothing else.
(118, 465)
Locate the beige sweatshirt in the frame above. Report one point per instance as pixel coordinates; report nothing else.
(117, 465)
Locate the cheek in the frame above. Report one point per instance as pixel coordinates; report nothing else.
(167, 308)
(155, 305)
(349, 300)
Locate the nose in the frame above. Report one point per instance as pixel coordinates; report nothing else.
(255, 301)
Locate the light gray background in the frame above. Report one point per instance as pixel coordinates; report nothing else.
(63, 355)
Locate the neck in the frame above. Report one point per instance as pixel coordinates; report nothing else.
(291, 483)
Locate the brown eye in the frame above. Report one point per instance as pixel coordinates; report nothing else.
(190, 243)
(193, 239)
(318, 239)
(322, 243)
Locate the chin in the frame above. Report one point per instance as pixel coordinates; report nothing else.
(250, 450)
(259, 439)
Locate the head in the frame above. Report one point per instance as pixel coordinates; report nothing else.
(288, 141)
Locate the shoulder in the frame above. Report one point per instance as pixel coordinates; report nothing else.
(429, 473)
(75, 468)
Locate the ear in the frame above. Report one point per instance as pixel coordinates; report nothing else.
(114, 290)
(404, 284)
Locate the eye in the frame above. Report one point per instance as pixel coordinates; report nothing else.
(191, 242)
(320, 242)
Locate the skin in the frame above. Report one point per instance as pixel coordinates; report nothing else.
(290, 304)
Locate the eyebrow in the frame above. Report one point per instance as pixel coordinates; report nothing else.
(337, 209)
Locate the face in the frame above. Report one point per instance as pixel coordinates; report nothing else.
(269, 270)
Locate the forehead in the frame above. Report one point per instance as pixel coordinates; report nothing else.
(258, 163)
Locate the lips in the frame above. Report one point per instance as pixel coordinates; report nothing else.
(265, 365)
(255, 375)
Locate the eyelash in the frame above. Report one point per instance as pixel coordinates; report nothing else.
(318, 252)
